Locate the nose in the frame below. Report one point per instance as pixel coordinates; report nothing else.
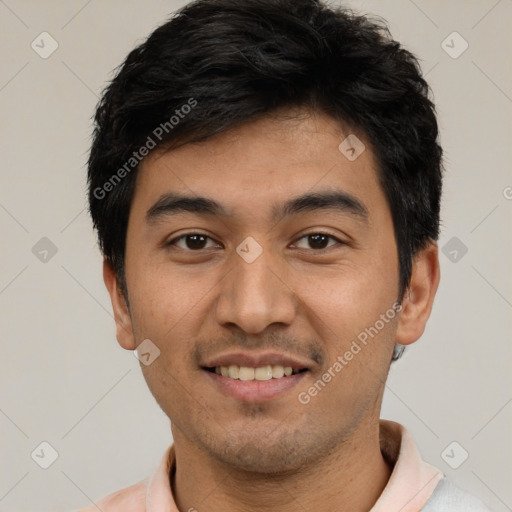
(255, 295)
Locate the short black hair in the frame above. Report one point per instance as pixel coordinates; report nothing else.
(216, 64)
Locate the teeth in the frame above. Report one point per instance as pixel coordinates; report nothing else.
(262, 373)
(246, 373)
(233, 371)
(277, 372)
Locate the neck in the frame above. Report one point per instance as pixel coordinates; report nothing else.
(350, 478)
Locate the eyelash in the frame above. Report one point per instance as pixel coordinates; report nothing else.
(328, 235)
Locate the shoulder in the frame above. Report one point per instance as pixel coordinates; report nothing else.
(129, 499)
(447, 497)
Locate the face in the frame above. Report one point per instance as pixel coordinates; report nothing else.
(285, 264)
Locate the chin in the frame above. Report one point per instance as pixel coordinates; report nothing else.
(264, 459)
(266, 453)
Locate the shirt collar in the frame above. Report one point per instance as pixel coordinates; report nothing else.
(412, 480)
(409, 487)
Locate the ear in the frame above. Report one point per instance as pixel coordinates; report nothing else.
(124, 330)
(419, 296)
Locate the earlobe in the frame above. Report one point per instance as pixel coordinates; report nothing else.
(124, 329)
(419, 297)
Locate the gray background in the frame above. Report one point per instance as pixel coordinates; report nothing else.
(67, 382)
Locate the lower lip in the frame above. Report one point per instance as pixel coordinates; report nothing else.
(255, 390)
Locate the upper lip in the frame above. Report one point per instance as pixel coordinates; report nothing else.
(255, 360)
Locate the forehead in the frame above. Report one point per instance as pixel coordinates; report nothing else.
(252, 168)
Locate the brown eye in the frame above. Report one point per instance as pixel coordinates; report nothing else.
(191, 241)
(319, 241)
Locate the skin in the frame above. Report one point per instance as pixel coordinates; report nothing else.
(295, 298)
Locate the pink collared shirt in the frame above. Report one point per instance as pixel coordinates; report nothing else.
(409, 488)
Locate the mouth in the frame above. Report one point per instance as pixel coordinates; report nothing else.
(255, 378)
(261, 373)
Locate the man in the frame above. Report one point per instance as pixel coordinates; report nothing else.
(265, 180)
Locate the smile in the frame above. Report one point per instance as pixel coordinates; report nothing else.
(255, 377)
(261, 373)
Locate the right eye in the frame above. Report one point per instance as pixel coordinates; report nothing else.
(193, 242)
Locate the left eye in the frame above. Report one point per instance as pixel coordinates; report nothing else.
(319, 240)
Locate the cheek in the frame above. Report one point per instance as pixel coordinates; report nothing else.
(354, 303)
(163, 297)
(352, 294)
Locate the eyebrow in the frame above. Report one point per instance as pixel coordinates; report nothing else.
(173, 203)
